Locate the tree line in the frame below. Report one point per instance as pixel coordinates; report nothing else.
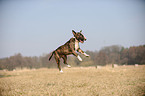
(107, 55)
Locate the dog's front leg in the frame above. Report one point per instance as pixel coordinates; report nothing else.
(72, 45)
(82, 52)
(75, 54)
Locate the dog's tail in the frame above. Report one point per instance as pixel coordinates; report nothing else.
(51, 55)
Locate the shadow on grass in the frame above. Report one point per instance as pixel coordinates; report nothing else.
(2, 76)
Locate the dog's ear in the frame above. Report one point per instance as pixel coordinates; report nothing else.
(80, 31)
(74, 33)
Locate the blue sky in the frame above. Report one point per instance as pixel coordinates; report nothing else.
(34, 27)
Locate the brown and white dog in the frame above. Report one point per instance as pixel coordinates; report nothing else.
(70, 47)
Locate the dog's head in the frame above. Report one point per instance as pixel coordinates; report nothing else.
(79, 36)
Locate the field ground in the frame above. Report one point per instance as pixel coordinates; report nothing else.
(81, 81)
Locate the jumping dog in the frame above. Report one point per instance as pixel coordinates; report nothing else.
(70, 47)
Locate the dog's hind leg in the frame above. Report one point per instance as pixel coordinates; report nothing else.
(57, 58)
(64, 57)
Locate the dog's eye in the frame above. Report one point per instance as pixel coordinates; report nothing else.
(81, 36)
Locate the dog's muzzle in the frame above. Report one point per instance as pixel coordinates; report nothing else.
(85, 38)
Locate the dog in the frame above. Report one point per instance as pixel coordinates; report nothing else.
(70, 47)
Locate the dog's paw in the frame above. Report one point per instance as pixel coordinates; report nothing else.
(79, 58)
(68, 66)
(61, 71)
(86, 55)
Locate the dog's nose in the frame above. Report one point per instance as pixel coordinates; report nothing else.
(85, 38)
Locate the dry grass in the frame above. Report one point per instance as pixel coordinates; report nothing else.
(105, 81)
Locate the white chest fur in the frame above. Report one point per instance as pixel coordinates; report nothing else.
(76, 45)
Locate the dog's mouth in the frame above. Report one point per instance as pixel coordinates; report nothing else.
(81, 41)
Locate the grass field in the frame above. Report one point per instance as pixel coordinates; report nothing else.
(89, 81)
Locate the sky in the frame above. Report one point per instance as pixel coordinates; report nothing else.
(36, 27)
